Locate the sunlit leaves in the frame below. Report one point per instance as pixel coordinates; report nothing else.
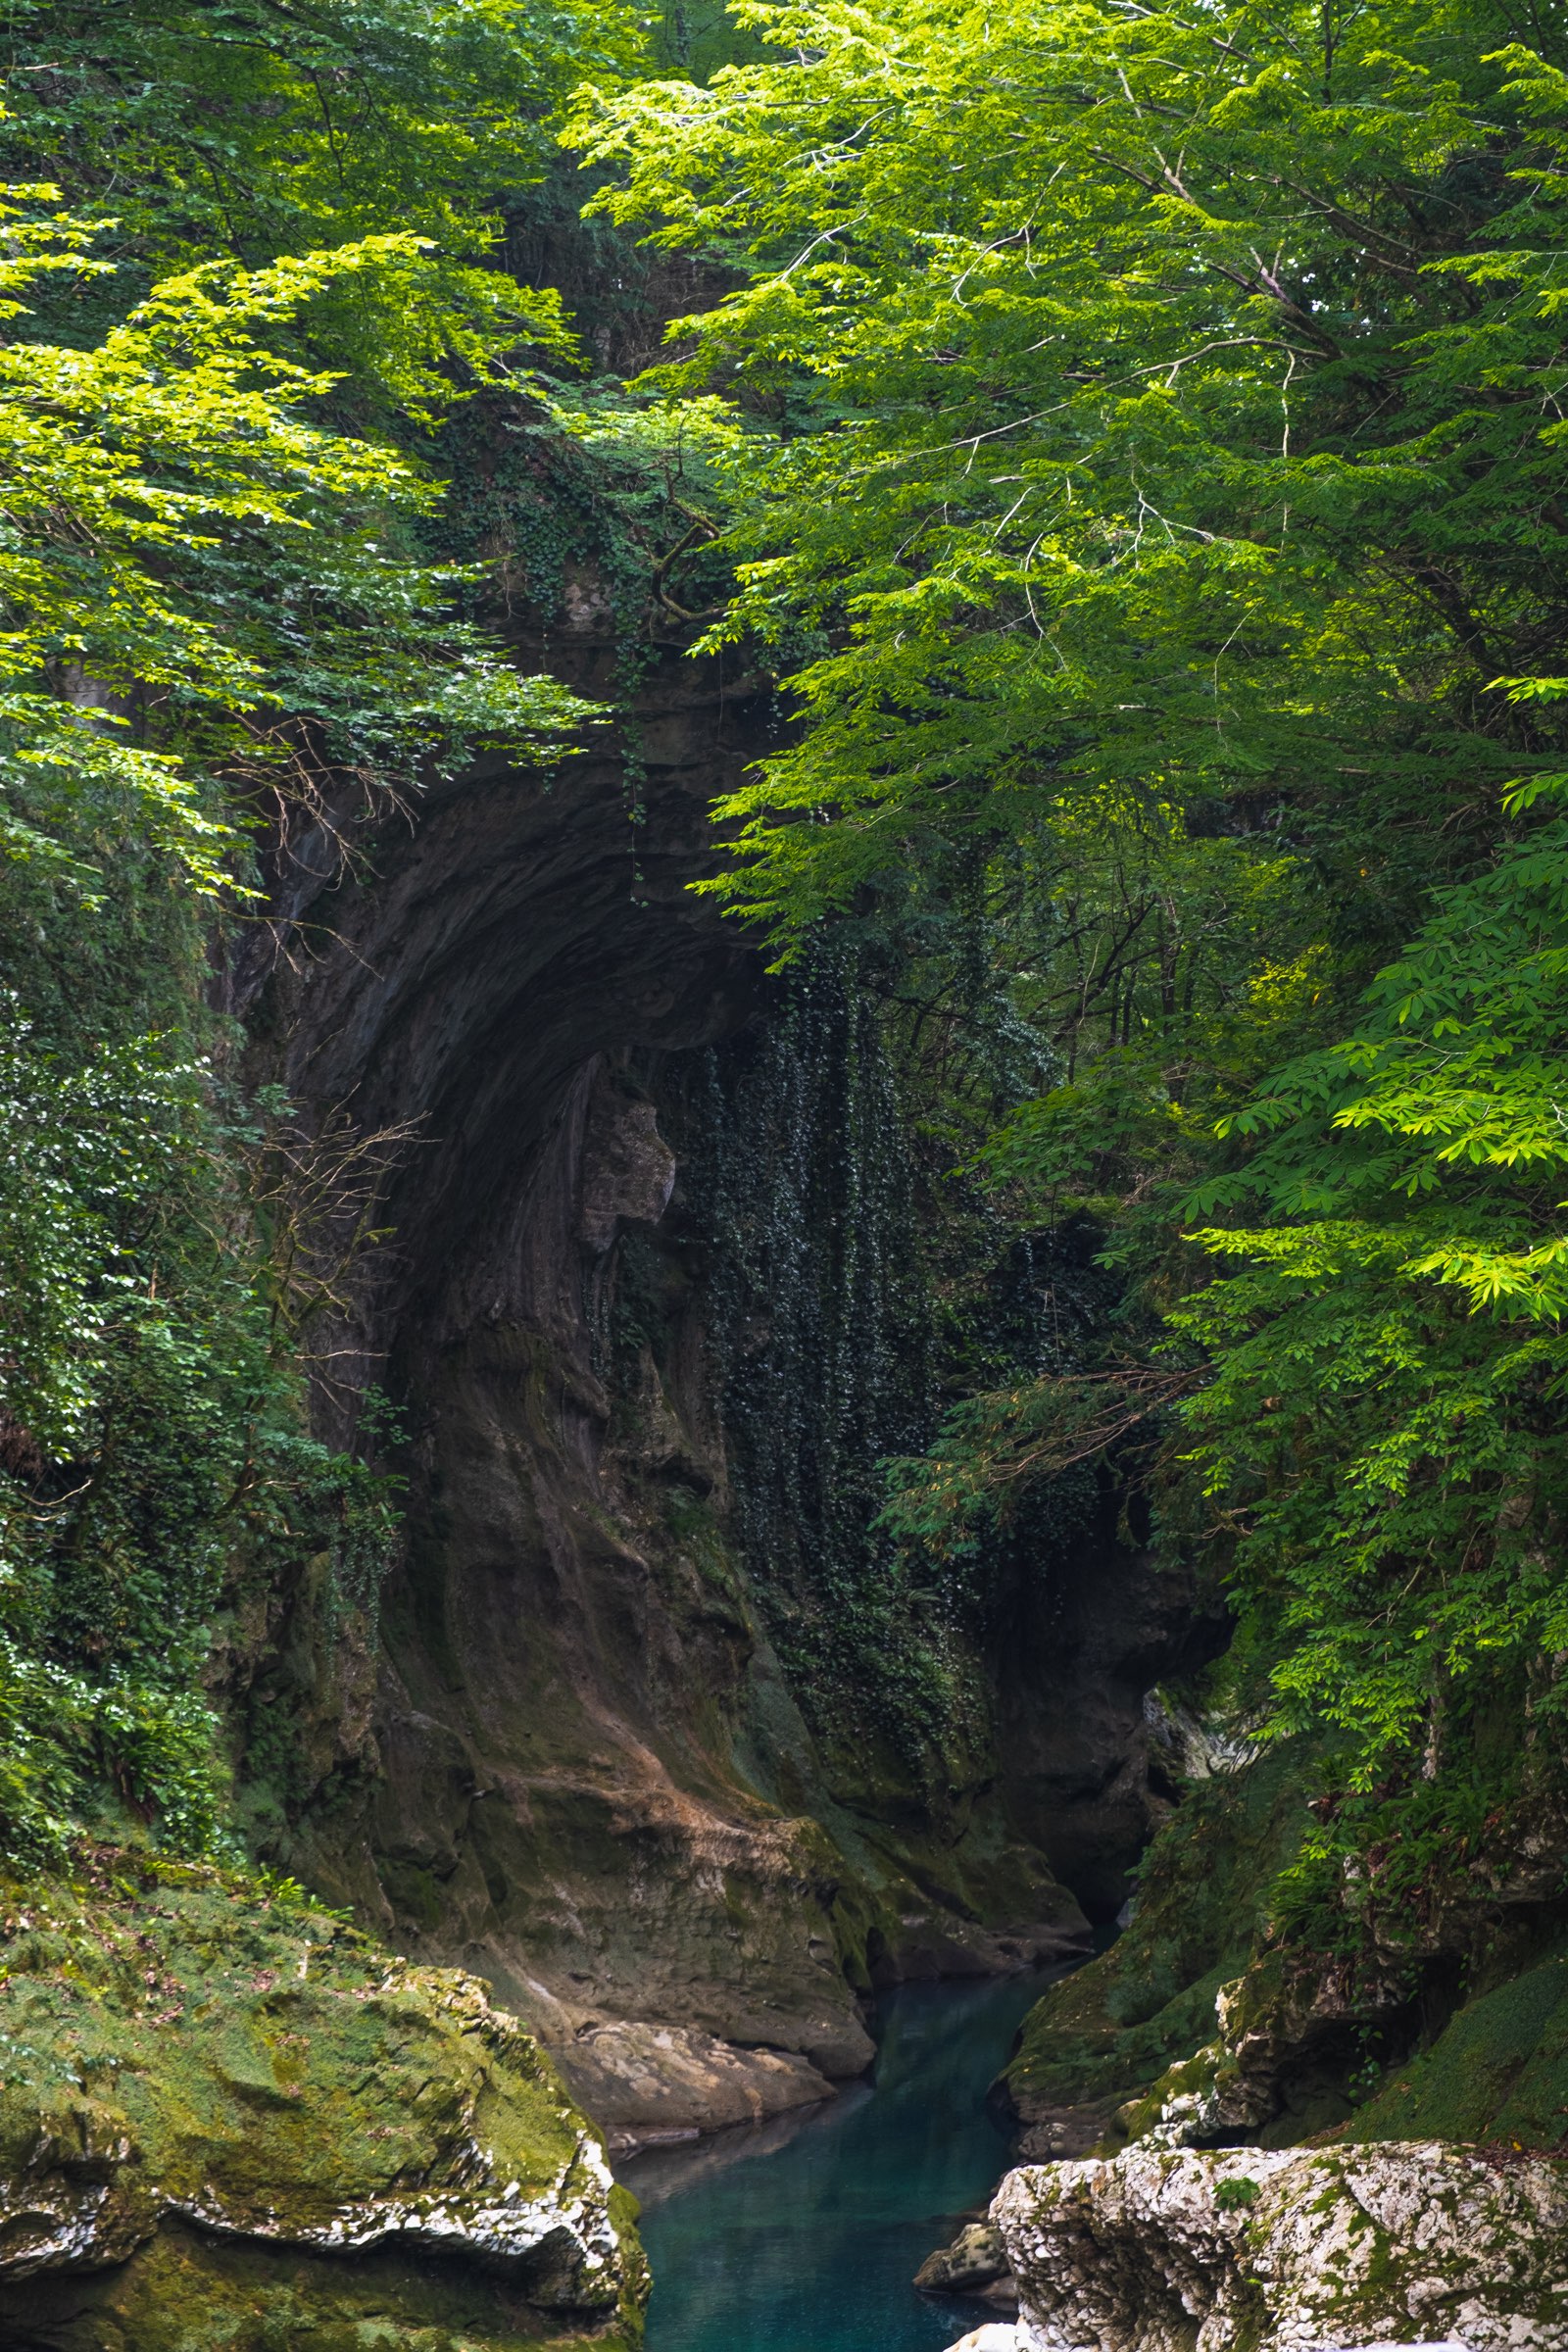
(1129, 441)
(1381, 1423)
(1167, 472)
(177, 536)
(271, 274)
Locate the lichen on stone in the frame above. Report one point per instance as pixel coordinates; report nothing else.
(1268, 2250)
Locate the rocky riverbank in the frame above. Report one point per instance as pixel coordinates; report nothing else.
(1405, 2177)
(1301, 2250)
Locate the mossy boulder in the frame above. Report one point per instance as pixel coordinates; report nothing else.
(228, 2120)
(1287, 2058)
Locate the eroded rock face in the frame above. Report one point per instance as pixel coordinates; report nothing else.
(569, 1762)
(535, 1777)
(210, 2098)
(647, 2084)
(1290, 2250)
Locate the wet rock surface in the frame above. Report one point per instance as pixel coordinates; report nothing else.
(569, 1762)
(1290, 2250)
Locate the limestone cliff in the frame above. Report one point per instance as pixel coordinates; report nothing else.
(568, 1758)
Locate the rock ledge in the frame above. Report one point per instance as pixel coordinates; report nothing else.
(1296, 2250)
(225, 2116)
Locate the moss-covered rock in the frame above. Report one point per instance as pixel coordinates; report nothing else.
(1301, 2048)
(227, 2119)
(1290, 2055)
(1498, 2071)
(1102, 2036)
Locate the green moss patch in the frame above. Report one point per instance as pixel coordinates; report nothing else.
(1111, 2028)
(1498, 2071)
(178, 2047)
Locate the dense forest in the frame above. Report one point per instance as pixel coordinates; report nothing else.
(1125, 442)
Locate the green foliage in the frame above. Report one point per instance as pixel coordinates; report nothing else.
(1160, 414)
(1152, 444)
(149, 1428)
(1163, 973)
(1380, 1423)
(268, 274)
(188, 561)
(105, 1581)
(253, 129)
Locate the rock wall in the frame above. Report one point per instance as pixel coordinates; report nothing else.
(567, 1758)
(1205, 2027)
(1411, 2242)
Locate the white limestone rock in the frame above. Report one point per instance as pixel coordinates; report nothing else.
(975, 2263)
(1021, 2338)
(1289, 2250)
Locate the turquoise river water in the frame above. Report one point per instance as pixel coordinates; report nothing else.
(804, 2234)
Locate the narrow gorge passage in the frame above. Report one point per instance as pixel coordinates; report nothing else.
(783, 1245)
(804, 2234)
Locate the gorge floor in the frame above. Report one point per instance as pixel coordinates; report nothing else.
(804, 2234)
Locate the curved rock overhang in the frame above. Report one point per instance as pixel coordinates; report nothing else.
(534, 1775)
(566, 1759)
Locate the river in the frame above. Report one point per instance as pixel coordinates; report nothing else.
(804, 2234)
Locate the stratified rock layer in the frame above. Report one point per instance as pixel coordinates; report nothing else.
(646, 2083)
(1258, 2250)
(227, 2119)
(569, 1759)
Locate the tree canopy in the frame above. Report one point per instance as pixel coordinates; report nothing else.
(1153, 500)
(253, 259)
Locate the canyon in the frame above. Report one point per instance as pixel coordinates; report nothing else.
(783, 880)
(623, 1871)
(618, 1877)
(571, 1761)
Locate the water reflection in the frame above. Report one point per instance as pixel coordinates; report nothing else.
(803, 2234)
(661, 2172)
